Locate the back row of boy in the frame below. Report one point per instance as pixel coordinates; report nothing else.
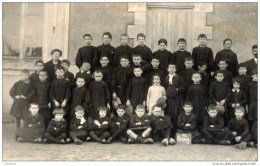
(134, 92)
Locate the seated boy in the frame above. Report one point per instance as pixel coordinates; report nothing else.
(213, 128)
(78, 126)
(187, 123)
(139, 127)
(99, 127)
(119, 125)
(56, 131)
(239, 129)
(161, 126)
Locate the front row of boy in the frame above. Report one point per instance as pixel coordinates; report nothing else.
(137, 128)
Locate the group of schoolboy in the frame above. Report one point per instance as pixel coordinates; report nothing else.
(136, 96)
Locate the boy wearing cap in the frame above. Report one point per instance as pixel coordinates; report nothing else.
(99, 127)
(56, 131)
(239, 129)
(78, 126)
(187, 122)
(213, 128)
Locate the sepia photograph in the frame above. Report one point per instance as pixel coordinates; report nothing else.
(130, 81)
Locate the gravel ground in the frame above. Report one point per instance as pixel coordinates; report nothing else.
(90, 151)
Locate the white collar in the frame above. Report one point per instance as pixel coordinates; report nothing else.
(255, 60)
(172, 75)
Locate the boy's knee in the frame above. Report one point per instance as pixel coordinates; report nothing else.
(129, 131)
(149, 129)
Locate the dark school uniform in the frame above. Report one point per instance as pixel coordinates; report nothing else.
(120, 79)
(217, 132)
(219, 91)
(74, 131)
(203, 54)
(252, 101)
(56, 130)
(70, 77)
(197, 94)
(174, 92)
(50, 67)
(183, 119)
(20, 106)
(33, 128)
(236, 97)
(164, 58)
(250, 65)
(34, 77)
(161, 127)
(42, 97)
(60, 90)
(230, 57)
(178, 58)
(107, 74)
(228, 77)
(80, 96)
(119, 126)
(138, 129)
(205, 80)
(136, 91)
(186, 75)
(102, 132)
(241, 127)
(145, 52)
(85, 53)
(104, 49)
(99, 95)
(149, 75)
(123, 50)
(87, 75)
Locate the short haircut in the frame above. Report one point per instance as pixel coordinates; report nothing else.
(87, 35)
(240, 108)
(108, 34)
(58, 110)
(140, 35)
(44, 72)
(137, 55)
(162, 41)
(227, 39)
(188, 58)
(181, 40)
(172, 64)
(124, 35)
(79, 108)
(26, 71)
(38, 61)
(102, 108)
(121, 106)
(202, 36)
(219, 72)
(65, 61)
(33, 104)
(155, 57)
(158, 106)
(56, 50)
(238, 80)
(196, 73)
(140, 106)
(86, 61)
(80, 77)
(59, 67)
(223, 60)
(97, 72)
(188, 103)
(202, 63)
(254, 46)
(212, 107)
(156, 74)
(124, 57)
(103, 55)
(138, 67)
(242, 65)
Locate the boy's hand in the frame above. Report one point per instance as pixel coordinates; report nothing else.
(233, 105)
(17, 97)
(105, 122)
(212, 73)
(222, 102)
(234, 133)
(57, 104)
(118, 123)
(29, 125)
(108, 106)
(80, 127)
(55, 128)
(138, 123)
(217, 103)
(22, 96)
(82, 120)
(63, 104)
(237, 105)
(238, 138)
(187, 124)
(114, 95)
(212, 126)
(49, 105)
(128, 103)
